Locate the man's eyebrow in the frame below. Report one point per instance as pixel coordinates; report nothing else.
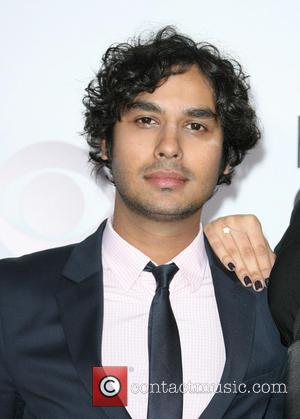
(200, 113)
(144, 106)
(204, 112)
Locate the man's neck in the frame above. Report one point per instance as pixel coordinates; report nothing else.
(160, 240)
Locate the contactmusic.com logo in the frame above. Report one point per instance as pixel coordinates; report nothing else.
(110, 386)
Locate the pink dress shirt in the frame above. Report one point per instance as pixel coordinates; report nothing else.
(128, 292)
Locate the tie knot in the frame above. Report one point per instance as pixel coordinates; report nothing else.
(162, 273)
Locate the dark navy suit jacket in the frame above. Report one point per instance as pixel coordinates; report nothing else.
(51, 314)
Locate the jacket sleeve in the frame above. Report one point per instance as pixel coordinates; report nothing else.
(284, 285)
(292, 404)
(11, 405)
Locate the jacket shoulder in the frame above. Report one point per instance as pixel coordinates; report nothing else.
(37, 265)
(291, 235)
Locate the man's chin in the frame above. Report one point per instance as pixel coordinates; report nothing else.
(163, 214)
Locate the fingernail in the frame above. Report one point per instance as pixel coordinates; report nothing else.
(258, 285)
(247, 280)
(231, 266)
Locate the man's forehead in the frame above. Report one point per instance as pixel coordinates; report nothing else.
(188, 84)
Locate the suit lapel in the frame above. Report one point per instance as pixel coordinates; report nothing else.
(236, 306)
(80, 301)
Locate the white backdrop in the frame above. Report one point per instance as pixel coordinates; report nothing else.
(49, 52)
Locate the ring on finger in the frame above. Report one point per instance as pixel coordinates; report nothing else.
(226, 230)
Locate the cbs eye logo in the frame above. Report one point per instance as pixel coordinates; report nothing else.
(48, 198)
(110, 386)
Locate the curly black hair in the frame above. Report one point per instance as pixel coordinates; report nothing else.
(141, 66)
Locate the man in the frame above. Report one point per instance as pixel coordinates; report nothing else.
(168, 119)
(284, 289)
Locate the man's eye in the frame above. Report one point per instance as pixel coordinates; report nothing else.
(145, 120)
(196, 126)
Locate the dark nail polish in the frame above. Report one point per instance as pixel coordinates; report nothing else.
(247, 280)
(258, 285)
(231, 266)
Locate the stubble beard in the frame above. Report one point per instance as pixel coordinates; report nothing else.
(143, 207)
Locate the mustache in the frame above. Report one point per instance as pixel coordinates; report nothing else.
(167, 166)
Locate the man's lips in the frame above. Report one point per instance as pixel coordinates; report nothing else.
(166, 179)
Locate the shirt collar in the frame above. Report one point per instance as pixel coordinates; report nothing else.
(193, 261)
(127, 262)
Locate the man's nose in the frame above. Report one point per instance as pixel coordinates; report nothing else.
(168, 145)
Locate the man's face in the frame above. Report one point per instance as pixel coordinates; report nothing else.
(167, 149)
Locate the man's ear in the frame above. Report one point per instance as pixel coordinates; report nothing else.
(104, 155)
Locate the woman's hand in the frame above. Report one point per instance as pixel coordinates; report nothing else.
(239, 243)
